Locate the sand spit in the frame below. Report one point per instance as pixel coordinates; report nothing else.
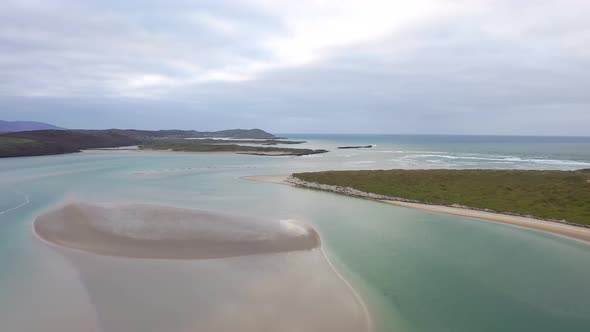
(149, 231)
(562, 229)
(275, 178)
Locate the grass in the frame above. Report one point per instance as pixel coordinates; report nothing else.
(12, 146)
(46, 142)
(563, 195)
(246, 141)
(198, 146)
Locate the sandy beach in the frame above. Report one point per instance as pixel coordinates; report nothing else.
(575, 232)
(578, 233)
(161, 268)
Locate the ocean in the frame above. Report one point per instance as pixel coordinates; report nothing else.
(417, 270)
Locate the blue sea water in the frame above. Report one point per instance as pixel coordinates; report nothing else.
(418, 271)
(449, 151)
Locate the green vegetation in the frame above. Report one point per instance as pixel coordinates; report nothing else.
(46, 142)
(246, 141)
(220, 146)
(12, 146)
(175, 133)
(546, 194)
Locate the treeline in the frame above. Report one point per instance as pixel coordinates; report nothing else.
(47, 142)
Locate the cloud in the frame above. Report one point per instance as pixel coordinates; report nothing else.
(375, 66)
(186, 44)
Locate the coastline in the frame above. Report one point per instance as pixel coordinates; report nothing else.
(280, 179)
(252, 153)
(579, 233)
(358, 298)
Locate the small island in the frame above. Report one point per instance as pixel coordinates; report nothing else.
(356, 147)
(229, 146)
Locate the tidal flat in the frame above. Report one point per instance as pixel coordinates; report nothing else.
(200, 270)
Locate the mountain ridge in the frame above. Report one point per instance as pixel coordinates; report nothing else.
(15, 126)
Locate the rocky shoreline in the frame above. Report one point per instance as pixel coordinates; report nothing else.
(356, 147)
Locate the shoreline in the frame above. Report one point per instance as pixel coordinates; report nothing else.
(362, 306)
(251, 153)
(358, 298)
(579, 233)
(280, 179)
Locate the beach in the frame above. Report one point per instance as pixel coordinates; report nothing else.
(201, 266)
(561, 229)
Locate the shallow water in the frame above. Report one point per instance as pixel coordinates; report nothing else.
(418, 271)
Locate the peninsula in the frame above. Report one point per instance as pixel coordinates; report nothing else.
(49, 142)
(549, 201)
(561, 196)
(261, 148)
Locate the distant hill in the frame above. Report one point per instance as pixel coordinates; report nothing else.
(46, 142)
(175, 133)
(11, 126)
(241, 133)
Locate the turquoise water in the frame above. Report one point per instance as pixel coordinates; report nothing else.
(419, 271)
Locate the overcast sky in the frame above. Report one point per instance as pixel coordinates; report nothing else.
(370, 66)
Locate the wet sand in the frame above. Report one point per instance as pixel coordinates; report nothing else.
(149, 231)
(578, 233)
(213, 272)
(274, 178)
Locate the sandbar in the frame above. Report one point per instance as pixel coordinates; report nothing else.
(151, 231)
(160, 268)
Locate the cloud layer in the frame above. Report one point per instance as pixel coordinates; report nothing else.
(424, 66)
